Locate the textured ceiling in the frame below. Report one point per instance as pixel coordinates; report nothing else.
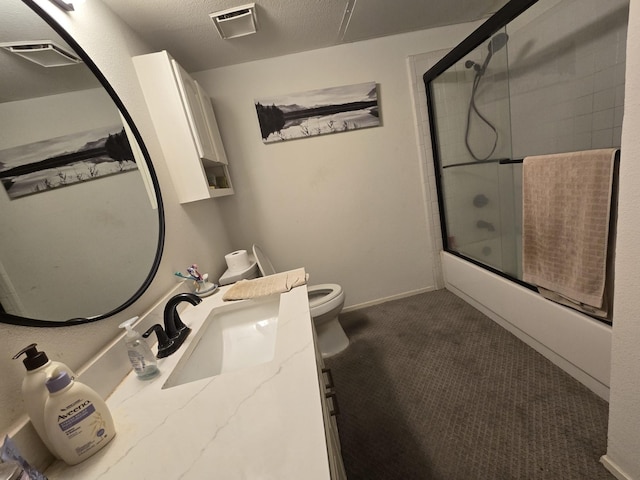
(183, 27)
(285, 26)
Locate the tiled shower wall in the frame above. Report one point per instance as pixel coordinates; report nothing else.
(566, 64)
(566, 76)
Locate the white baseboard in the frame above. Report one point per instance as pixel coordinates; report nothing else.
(378, 301)
(614, 469)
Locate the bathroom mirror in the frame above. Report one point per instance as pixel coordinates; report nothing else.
(82, 218)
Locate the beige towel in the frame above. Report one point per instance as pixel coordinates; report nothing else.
(269, 285)
(566, 211)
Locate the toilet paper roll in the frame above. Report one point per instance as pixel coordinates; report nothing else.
(238, 260)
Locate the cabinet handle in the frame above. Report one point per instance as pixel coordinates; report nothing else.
(334, 402)
(329, 383)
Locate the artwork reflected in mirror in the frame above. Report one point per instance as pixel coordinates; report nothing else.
(63, 161)
(81, 220)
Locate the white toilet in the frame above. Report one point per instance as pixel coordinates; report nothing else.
(325, 303)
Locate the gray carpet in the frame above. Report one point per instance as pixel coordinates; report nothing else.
(430, 388)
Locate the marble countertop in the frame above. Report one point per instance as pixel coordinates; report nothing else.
(263, 422)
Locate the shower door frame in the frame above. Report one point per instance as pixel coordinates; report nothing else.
(499, 20)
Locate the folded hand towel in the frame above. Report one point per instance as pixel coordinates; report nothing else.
(567, 202)
(261, 287)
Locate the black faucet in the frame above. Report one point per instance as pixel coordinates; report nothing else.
(172, 323)
(175, 332)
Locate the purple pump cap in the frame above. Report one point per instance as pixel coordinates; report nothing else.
(58, 381)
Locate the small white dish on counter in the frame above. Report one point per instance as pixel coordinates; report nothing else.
(206, 289)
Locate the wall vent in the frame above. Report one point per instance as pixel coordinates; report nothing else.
(42, 52)
(236, 22)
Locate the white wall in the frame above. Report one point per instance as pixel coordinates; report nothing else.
(195, 233)
(348, 206)
(624, 406)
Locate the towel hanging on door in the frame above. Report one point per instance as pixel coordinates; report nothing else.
(567, 202)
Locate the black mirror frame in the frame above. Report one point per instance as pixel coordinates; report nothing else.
(29, 322)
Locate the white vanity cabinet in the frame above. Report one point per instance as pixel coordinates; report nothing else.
(329, 411)
(272, 420)
(186, 126)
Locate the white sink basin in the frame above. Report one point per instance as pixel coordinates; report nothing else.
(233, 337)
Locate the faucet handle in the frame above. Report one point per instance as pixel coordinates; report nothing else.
(164, 342)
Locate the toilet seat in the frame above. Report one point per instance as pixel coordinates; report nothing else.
(324, 297)
(325, 304)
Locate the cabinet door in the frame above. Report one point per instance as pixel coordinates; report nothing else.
(212, 124)
(336, 466)
(195, 113)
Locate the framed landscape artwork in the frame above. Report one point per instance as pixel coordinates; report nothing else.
(62, 161)
(318, 112)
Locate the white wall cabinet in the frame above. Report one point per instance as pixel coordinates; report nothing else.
(186, 125)
(329, 411)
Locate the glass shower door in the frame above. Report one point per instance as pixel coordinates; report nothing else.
(478, 184)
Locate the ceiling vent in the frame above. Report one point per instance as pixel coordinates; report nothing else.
(236, 22)
(42, 52)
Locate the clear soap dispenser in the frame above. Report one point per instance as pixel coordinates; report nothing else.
(142, 359)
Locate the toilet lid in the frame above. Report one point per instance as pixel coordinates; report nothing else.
(264, 264)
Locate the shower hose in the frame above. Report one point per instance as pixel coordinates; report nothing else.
(474, 108)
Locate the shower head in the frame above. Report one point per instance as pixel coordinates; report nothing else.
(497, 42)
